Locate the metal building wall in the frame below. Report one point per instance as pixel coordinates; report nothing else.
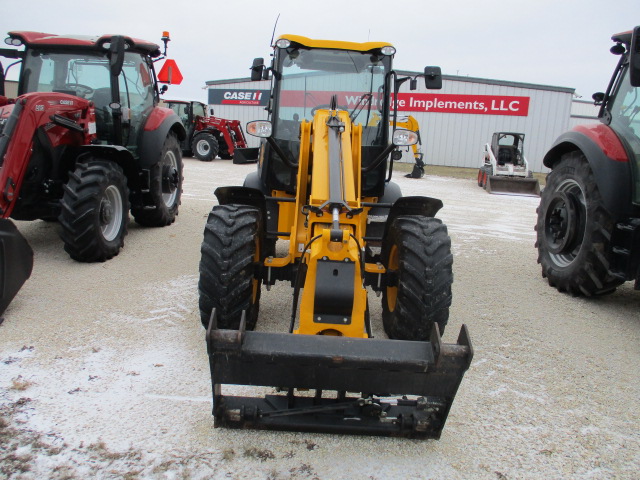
(455, 139)
(583, 112)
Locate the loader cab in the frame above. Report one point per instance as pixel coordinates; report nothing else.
(117, 77)
(508, 148)
(306, 74)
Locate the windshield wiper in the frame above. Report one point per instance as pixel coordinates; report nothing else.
(365, 100)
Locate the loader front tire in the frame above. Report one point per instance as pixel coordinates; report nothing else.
(165, 189)
(205, 147)
(230, 251)
(94, 211)
(417, 252)
(574, 230)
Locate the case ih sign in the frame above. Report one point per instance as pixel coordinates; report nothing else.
(238, 97)
(407, 102)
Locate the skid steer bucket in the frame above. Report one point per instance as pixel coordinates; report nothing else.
(16, 262)
(383, 372)
(513, 185)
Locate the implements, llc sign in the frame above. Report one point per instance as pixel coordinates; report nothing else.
(238, 97)
(469, 104)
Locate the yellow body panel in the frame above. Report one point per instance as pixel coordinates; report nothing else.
(335, 44)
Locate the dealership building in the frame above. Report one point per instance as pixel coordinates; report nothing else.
(455, 122)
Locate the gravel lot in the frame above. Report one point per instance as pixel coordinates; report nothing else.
(104, 373)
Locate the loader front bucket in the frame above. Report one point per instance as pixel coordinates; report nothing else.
(16, 262)
(513, 185)
(383, 374)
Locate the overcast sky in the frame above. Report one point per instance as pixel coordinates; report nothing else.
(549, 42)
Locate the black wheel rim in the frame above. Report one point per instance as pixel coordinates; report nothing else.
(565, 222)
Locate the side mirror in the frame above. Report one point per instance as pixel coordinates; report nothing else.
(163, 89)
(116, 55)
(211, 113)
(634, 58)
(257, 69)
(433, 78)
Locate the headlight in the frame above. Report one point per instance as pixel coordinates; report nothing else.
(283, 43)
(388, 50)
(404, 138)
(16, 42)
(260, 128)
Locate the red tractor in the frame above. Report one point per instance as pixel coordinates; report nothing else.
(207, 136)
(85, 142)
(588, 228)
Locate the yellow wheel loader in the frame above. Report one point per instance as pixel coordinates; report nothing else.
(323, 185)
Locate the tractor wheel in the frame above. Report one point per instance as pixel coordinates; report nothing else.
(230, 250)
(574, 230)
(417, 252)
(205, 146)
(166, 188)
(94, 211)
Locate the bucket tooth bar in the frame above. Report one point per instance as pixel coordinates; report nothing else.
(386, 371)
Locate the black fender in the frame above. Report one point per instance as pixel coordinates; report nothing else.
(418, 205)
(151, 141)
(243, 196)
(612, 177)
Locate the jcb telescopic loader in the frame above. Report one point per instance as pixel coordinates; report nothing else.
(322, 184)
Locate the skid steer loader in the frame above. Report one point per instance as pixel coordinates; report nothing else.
(505, 169)
(323, 185)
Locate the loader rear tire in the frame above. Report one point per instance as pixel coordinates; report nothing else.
(165, 188)
(230, 250)
(574, 230)
(418, 250)
(94, 211)
(205, 147)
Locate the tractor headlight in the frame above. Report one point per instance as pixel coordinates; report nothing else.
(15, 42)
(388, 50)
(260, 128)
(404, 138)
(283, 43)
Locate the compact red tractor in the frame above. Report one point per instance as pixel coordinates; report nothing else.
(588, 225)
(84, 142)
(207, 136)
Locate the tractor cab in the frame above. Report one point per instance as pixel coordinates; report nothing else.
(187, 111)
(114, 72)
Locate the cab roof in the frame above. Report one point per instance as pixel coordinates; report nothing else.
(623, 37)
(40, 39)
(335, 44)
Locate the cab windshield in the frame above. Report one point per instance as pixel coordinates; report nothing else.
(309, 78)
